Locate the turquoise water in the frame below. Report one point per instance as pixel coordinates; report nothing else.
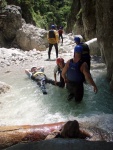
(25, 104)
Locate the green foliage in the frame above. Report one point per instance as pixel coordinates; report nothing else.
(38, 19)
(45, 12)
(3, 3)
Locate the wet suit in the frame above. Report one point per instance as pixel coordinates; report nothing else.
(75, 80)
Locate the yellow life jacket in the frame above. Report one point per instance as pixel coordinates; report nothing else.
(38, 73)
(53, 36)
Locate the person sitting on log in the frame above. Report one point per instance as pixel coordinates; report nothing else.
(70, 129)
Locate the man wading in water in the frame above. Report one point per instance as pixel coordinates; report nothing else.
(74, 73)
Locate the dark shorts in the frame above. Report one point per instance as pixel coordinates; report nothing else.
(76, 89)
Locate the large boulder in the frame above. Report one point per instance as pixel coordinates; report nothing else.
(14, 32)
(30, 37)
(12, 22)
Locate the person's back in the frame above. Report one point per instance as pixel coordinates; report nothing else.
(74, 74)
(86, 51)
(51, 34)
(53, 39)
(60, 31)
(86, 54)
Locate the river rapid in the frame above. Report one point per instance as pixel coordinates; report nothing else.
(25, 104)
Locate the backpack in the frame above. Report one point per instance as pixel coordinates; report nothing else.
(51, 34)
(85, 48)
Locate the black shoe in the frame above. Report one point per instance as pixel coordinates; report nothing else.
(48, 59)
(70, 96)
(44, 92)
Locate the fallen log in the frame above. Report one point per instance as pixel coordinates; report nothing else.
(10, 135)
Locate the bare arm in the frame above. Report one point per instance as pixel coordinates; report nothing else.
(56, 36)
(41, 68)
(28, 72)
(85, 71)
(84, 134)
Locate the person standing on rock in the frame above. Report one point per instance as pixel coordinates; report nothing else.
(53, 39)
(74, 74)
(86, 51)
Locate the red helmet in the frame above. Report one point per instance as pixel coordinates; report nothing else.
(59, 60)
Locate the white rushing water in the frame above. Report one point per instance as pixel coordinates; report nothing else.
(25, 103)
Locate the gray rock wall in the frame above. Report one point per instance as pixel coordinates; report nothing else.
(9, 24)
(14, 32)
(82, 19)
(75, 8)
(12, 22)
(88, 18)
(104, 29)
(97, 20)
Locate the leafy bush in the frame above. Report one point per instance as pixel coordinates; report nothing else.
(44, 12)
